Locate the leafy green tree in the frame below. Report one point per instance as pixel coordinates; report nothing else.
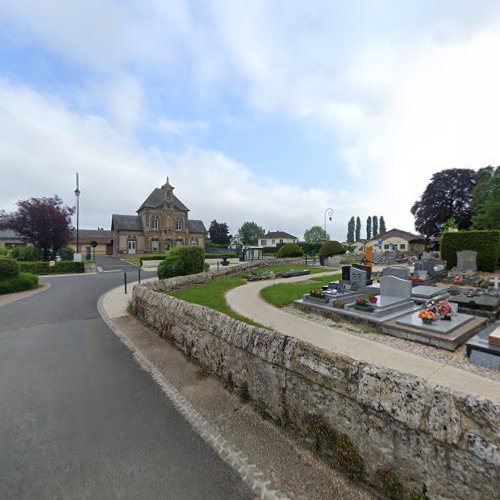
(450, 224)
(375, 226)
(369, 228)
(358, 228)
(44, 222)
(350, 230)
(489, 217)
(219, 233)
(250, 232)
(316, 235)
(448, 195)
(482, 188)
(382, 228)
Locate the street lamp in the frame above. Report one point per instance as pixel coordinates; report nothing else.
(77, 194)
(329, 212)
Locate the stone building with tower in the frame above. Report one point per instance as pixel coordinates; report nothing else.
(161, 222)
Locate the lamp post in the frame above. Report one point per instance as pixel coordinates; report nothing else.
(77, 194)
(329, 212)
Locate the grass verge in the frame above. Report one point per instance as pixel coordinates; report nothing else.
(212, 295)
(283, 294)
(289, 267)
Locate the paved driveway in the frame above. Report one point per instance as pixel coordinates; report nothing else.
(80, 419)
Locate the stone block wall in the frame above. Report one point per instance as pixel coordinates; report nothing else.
(392, 429)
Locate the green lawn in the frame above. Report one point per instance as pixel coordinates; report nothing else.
(134, 262)
(282, 269)
(212, 295)
(283, 294)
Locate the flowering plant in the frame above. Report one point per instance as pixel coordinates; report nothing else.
(444, 308)
(317, 293)
(362, 301)
(427, 315)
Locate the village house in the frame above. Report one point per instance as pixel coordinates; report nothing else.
(161, 222)
(398, 240)
(271, 239)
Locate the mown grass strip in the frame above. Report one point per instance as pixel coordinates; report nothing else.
(212, 295)
(283, 294)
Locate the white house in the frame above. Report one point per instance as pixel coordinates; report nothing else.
(399, 240)
(271, 239)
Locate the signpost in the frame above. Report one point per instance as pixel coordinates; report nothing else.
(93, 244)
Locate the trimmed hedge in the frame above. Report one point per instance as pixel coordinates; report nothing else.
(182, 261)
(42, 267)
(310, 248)
(9, 268)
(269, 250)
(290, 250)
(329, 248)
(154, 257)
(485, 243)
(220, 255)
(19, 283)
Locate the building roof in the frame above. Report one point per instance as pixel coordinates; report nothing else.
(277, 235)
(196, 227)
(156, 199)
(88, 235)
(398, 233)
(8, 234)
(126, 223)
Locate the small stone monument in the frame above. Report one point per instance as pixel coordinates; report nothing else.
(397, 271)
(358, 279)
(392, 286)
(467, 261)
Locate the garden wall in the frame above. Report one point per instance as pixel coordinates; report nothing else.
(392, 429)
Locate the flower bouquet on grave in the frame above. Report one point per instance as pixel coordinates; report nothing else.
(363, 304)
(372, 298)
(445, 310)
(427, 316)
(317, 295)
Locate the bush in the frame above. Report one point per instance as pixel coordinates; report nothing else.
(9, 268)
(42, 267)
(269, 250)
(485, 243)
(329, 248)
(290, 250)
(19, 283)
(310, 248)
(3, 251)
(28, 254)
(66, 253)
(182, 261)
(153, 257)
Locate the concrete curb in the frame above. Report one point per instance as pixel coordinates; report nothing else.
(258, 482)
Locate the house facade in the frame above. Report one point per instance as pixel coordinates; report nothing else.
(102, 237)
(398, 240)
(271, 239)
(10, 239)
(161, 222)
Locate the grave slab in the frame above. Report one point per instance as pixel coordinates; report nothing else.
(439, 326)
(481, 351)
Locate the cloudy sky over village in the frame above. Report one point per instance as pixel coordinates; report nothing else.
(270, 111)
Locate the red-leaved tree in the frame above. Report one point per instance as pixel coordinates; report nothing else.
(44, 222)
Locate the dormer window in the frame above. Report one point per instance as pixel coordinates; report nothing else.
(154, 223)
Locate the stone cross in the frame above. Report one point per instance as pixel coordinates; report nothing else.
(392, 286)
(467, 260)
(358, 279)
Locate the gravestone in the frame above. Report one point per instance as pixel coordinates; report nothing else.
(397, 271)
(391, 286)
(367, 269)
(467, 261)
(346, 273)
(358, 279)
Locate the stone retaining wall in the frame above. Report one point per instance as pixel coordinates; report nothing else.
(390, 428)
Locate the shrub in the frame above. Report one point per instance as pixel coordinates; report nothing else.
(290, 250)
(182, 261)
(19, 283)
(153, 257)
(219, 255)
(486, 243)
(329, 248)
(42, 267)
(9, 268)
(3, 251)
(29, 254)
(66, 253)
(269, 250)
(310, 248)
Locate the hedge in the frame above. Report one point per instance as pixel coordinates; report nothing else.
(181, 261)
(220, 255)
(329, 248)
(19, 283)
(9, 268)
(310, 248)
(290, 250)
(42, 267)
(485, 243)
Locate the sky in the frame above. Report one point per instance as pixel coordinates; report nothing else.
(261, 110)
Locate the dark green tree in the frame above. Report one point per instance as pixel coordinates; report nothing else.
(489, 217)
(358, 228)
(481, 189)
(375, 226)
(350, 230)
(250, 232)
(219, 233)
(316, 235)
(44, 222)
(382, 228)
(448, 195)
(369, 228)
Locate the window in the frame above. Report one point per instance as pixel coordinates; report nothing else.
(263, 243)
(154, 223)
(281, 241)
(402, 246)
(178, 224)
(155, 245)
(274, 242)
(386, 246)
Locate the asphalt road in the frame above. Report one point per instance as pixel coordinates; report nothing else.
(80, 419)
